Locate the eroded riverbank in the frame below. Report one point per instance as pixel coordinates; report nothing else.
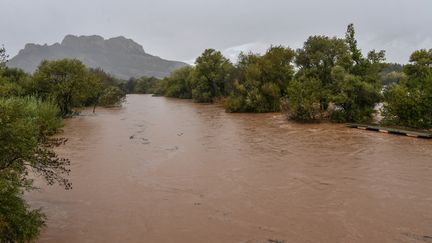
(167, 170)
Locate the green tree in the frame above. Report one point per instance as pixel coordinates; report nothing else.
(129, 86)
(355, 99)
(26, 145)
(210, 76)
(303, 100)
(179, 83)
(18, 223)
(419, 70)
(12, 80)
(9, 89)
(159, 87)
(410, 102)
(318, 57)
(66, 81)
(393, 77)
(261, 81)
(102, 90)
(351, 82)
(145, 85)
(111, 96)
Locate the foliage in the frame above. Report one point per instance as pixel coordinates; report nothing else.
(18, 223)
(13, 82)
(129, 86)
(210, 77)
(179, 83)
(72, 85)
(103, 90)
(303, 100)
(261, 81)
(410, 102)
(145, 85)
(393, 77)
(111, 96)
(106, 78)
(356, 98)
(26, 145)
(9, 89)
(349, 81)
(419, 70)
(318, 57)
(392, 73)
(66, 81)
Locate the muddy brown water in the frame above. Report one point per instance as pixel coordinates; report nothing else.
(168, 170)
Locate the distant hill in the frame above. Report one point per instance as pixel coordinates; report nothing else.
(118, 56)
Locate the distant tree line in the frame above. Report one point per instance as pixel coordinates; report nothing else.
(329, 78)
(31, 112)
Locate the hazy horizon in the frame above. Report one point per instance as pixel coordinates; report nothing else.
(182, 30)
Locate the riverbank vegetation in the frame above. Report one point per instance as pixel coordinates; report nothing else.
(31, 112)
(329, 78)
(409, 102)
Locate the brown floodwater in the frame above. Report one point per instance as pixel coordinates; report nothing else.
(168, 170)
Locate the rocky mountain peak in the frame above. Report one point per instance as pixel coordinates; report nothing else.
(119, 43)
(120, 56)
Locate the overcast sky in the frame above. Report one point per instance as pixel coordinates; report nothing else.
(181, 29)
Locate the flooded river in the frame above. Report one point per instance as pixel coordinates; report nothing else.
(168, 170)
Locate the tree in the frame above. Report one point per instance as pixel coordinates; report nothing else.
(355, 99)
(419, 70)
(316, 60)
(350, 81)
(303, 100)
(318, 57)
(18, 223)
(409, 103)
(66, 81)
(111, 96)
(145, 85)
(179, 83)
(103, 90)
(26, 145)
(13, 82)
(261, 81)
(350, 39)
(393, 77)
(129, 86)
(210, 76)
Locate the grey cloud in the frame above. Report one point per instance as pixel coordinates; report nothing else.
(180, 30)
